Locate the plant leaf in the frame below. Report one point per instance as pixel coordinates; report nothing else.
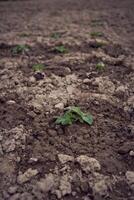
(88, 119)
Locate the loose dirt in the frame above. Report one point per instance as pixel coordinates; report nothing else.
(42, 160)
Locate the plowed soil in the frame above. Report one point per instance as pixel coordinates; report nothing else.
(93, 32)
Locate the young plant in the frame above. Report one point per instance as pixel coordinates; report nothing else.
(23, 34)
(97, 22)
(96, 34)
(38, 67)
(18, 49)
(55, 35)
(100, 66)
(61, 49)
(74, 114)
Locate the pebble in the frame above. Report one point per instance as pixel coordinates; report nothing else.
(10, 102)
(45, 185)
(65, 158)
(88, 164)
(60, 106)
(22, 178)
(12, 189)
(131, 153)
(86, 80)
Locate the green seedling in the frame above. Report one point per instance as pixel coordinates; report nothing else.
(55, 35)
(74, 114)
(61, 49)
(38, 67)
(18, 49)
(24, 34)
(97, 22)
(100, 66)
(96, 34)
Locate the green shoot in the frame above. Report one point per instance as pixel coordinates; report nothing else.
(100, 66)
(55, 36)
(18, 49)
(96, 34)
(61, 49)
(74, 114)
(38, 67)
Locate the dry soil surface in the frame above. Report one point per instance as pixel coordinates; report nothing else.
(40, 160)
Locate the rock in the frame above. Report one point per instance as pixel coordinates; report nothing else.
(33, 160)
(131, 153)
(67, 70)
(60, 106)
(32, 79)
(100, 188)
(126, 148)
(12, 189)
(105, 85)
(58, 194)
(10, 102)
(65, 185)
(9, 145)
(47, 184)
(65, 158)
(130, 177)
(22, 178)
(121, 90)
(86, 80)
(88, 164)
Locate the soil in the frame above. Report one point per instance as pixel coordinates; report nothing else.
(30, 141)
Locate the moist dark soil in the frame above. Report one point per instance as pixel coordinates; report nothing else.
(30, 101)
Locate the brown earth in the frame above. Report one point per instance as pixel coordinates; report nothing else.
(42, 160)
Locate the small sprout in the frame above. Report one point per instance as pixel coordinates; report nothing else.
(61, 49)
(100, 66)
(97, 22)
(55, 35)
(18, 49)
(96, 34)
(24, 34)
(38, 67)
(74, 114)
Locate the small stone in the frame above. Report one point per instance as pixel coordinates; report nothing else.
(126, 148)
(60, 106)
(88, 164)
(67, 70)
(12, 189)
(22, 178)
(46, 185)
(65, 185)
(32, 160)
(10, 102)
(39, 39)
(32, 79)
(9, 145)
(58, 194)
(130, 177)
(65, 158)
(131, 153)
(100, 188)
(121, 90)
(86, 80)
